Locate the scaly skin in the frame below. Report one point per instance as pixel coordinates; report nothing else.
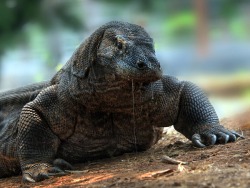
(110, 98)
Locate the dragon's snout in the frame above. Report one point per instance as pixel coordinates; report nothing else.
(151, 65)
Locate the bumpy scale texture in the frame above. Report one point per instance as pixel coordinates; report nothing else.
(110, 98)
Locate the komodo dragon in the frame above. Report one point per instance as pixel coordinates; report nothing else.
(110, 98)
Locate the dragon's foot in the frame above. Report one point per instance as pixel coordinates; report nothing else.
(41, 171)
(210, 135)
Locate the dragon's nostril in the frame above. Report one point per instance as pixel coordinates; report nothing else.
(141, 65)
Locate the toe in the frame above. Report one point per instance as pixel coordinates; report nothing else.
(232, 138)
(42, 176)
(54, 170)
(62, 164)
(222, 138)
(210, 139)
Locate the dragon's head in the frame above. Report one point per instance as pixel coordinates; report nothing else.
(127, 51)
(117, 55)
(117, 50)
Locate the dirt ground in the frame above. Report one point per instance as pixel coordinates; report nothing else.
(218, 166)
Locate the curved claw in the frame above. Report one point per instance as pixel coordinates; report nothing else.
(237, 134)
(27, 178)
(196, 139)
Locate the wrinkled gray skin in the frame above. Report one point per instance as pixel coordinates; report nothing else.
(110, 98)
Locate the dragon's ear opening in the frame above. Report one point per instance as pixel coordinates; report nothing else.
(86, 54)
(79, 69)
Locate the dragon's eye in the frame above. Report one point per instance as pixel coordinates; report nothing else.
(119, 45)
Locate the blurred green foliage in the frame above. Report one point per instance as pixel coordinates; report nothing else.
(181, 26)
(15, 15)
(246, 95)
(178, 18)
(239, 28)
(229, 8)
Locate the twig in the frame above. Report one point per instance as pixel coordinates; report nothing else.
(76, 171)
(162, 173)
(167, 159)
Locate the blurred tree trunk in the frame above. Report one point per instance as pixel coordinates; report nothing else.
(1, 70)
(202, 27)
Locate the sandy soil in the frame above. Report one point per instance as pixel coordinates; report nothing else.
(218, 166)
